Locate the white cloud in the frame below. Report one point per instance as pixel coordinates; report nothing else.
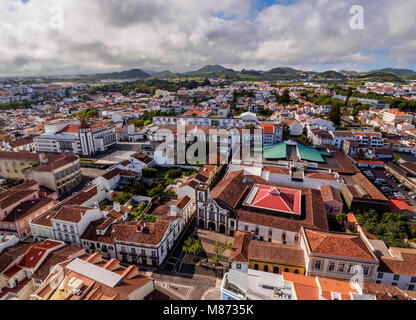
(104, 35)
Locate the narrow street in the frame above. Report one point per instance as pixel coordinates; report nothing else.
(190, 281)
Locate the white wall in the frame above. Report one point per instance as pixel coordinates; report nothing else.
(264, 232)
(307, 182)
(186, 191)
(403, 282)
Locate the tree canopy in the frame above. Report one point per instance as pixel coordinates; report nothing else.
(391, 227)
(88, 113)
(192, 247)
(335, 114)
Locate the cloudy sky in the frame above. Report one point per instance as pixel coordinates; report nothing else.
(181, 35)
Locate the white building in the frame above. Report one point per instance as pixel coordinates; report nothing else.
(76, 137)
(295, 127)
(142, 243)
(239, 122)
(71, 221)
(41, 226)
(322, 124)
(338, 255)
(398, 268)
(393, 116)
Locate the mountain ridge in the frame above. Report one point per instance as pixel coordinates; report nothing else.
(278, 73)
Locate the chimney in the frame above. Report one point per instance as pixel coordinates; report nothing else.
(116, 206)
(43, 159)
(140, 226)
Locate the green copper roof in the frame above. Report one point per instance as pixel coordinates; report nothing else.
(279, 151)
(310, 154)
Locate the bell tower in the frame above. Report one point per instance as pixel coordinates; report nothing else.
(85, 138)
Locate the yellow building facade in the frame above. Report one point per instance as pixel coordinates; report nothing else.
(274, 267)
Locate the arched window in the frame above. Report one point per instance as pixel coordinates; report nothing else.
(276, 270)
(266, 268)
(296, 271)
(256, 267)
(286, 269)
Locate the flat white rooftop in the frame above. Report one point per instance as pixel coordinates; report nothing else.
(94, 272)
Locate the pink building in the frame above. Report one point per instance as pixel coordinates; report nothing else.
(332, 200)
(18, 206)
(10, 199)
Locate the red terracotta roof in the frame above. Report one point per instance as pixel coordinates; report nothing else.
(403, 262)
(274, 198)
(338, 244)
(26, 208)
(77, 199)
(71, 213)
(330, 193)
(36, 253)
(182, 202)
(306, 287)
(398, 205)
(61, 161)
(240, 248)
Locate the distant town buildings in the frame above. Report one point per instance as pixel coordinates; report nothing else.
(88, 201)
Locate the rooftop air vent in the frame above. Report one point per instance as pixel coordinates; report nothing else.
(246, 180)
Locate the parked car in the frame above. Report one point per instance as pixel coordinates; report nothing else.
(401, 196)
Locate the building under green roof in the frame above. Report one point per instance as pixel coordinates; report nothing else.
(291, 151)
(275, 152)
